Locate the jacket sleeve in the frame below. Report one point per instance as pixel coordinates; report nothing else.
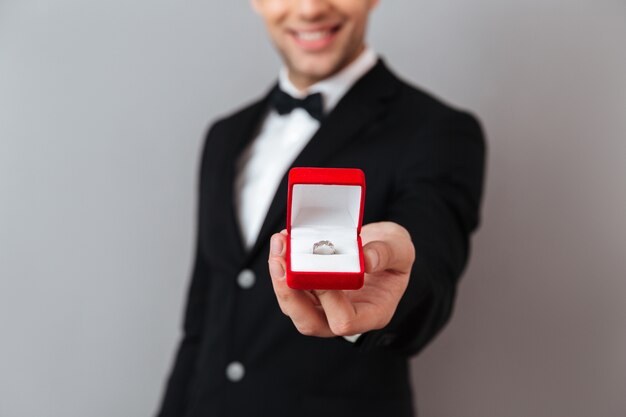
(436, 197)
(176, 391)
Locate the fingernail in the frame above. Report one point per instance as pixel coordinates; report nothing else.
(276, 269)
(276, 245)
(373, 256)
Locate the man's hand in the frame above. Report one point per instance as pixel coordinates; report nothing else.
(389, 256)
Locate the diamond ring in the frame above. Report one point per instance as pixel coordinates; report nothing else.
(324, 247)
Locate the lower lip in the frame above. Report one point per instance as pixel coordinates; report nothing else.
(317, 44)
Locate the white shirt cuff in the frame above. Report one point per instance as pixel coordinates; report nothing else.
(353, 338)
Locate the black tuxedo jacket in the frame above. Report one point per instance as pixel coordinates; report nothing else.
(423, 163)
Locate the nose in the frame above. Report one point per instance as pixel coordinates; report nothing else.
(312, 9)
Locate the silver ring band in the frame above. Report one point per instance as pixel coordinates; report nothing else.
(324, 247)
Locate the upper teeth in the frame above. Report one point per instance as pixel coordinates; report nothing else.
(313, 36)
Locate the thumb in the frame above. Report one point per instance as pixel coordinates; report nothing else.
(397, 255)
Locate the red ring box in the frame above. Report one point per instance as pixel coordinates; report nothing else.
(325, 204)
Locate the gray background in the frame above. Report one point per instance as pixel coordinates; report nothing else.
(103, 105)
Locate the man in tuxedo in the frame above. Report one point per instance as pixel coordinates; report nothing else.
(251, 345)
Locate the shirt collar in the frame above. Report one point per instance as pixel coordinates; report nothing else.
(332, 88)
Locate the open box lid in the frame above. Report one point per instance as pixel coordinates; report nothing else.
(326, 197)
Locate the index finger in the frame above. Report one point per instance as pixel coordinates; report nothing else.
(299, 305)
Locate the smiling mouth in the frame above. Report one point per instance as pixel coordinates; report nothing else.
(315, 35)
(315, 39)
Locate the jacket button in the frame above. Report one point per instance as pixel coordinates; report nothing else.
(246, 279)
(235, 371)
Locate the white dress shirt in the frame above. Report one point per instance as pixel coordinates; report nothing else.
(263, 163)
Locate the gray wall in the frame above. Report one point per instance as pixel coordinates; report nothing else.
(102, 110)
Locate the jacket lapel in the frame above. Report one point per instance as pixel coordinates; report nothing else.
(362, 105)
(242, 131)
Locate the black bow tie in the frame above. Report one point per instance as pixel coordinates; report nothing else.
(284, 103)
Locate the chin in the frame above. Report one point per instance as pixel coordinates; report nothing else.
(316, 70)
